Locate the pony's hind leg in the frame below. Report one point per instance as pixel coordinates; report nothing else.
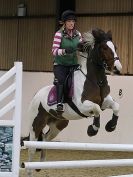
(31, 152)
(110, 103)
(39, 122)
(55, 127)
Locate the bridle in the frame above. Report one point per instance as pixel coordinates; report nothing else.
(104, 65)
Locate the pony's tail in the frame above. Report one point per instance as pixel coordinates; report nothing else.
(33, 108)
(27, 138)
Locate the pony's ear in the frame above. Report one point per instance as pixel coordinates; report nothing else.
(109, 34)
(98, 34)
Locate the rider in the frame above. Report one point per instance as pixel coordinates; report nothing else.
(64, 48)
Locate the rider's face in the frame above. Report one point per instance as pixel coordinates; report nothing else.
(70, 24)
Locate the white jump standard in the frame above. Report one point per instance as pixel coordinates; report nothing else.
(15, 122)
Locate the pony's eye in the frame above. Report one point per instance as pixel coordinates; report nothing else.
(104, 47)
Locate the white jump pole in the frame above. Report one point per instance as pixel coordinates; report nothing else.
(78, 164)
(79, 146)
(130, 175)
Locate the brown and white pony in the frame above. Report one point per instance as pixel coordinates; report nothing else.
(91, 93)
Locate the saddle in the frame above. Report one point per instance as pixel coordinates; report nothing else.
(68, 95)
(68, 91)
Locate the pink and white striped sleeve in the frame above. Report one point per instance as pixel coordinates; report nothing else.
(56, 44)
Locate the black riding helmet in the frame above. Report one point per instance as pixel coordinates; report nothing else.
(68, 15)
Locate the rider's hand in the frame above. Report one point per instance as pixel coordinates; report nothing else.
(69, 50)
(83, 47)
(80, 47)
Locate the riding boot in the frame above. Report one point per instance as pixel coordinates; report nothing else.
(60, 98)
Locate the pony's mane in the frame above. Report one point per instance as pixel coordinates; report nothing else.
(89, 38)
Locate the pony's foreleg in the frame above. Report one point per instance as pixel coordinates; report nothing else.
(111, 125)
(110, 103)
(93, 129)
(95, 108)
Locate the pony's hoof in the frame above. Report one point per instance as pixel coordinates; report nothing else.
(38, 170)
(110, 127)
(91, 131)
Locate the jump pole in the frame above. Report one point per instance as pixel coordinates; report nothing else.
(78, 164)
(79, 146)
(130, 175)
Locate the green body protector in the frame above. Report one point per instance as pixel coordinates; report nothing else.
(66, 42)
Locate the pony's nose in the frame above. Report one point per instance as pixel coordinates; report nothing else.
(116, 71)
(117, 58)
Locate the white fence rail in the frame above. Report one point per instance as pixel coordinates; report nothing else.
(78, 163)
(15, 122)
(79, 146)
(130, 175)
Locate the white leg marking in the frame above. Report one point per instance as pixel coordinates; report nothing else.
(89, 106)
(110, 103)
(95, 128)
(53, 132)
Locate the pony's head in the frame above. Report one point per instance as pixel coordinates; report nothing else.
(106, 47)
(101, 42)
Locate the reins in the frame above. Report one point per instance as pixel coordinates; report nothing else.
(79, 68)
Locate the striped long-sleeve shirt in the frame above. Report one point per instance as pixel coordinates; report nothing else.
(57, 41)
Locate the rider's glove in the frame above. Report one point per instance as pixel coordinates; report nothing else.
(69, 50)
(83, 47)
(80, 47)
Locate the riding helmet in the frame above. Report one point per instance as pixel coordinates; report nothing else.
(68, 15)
